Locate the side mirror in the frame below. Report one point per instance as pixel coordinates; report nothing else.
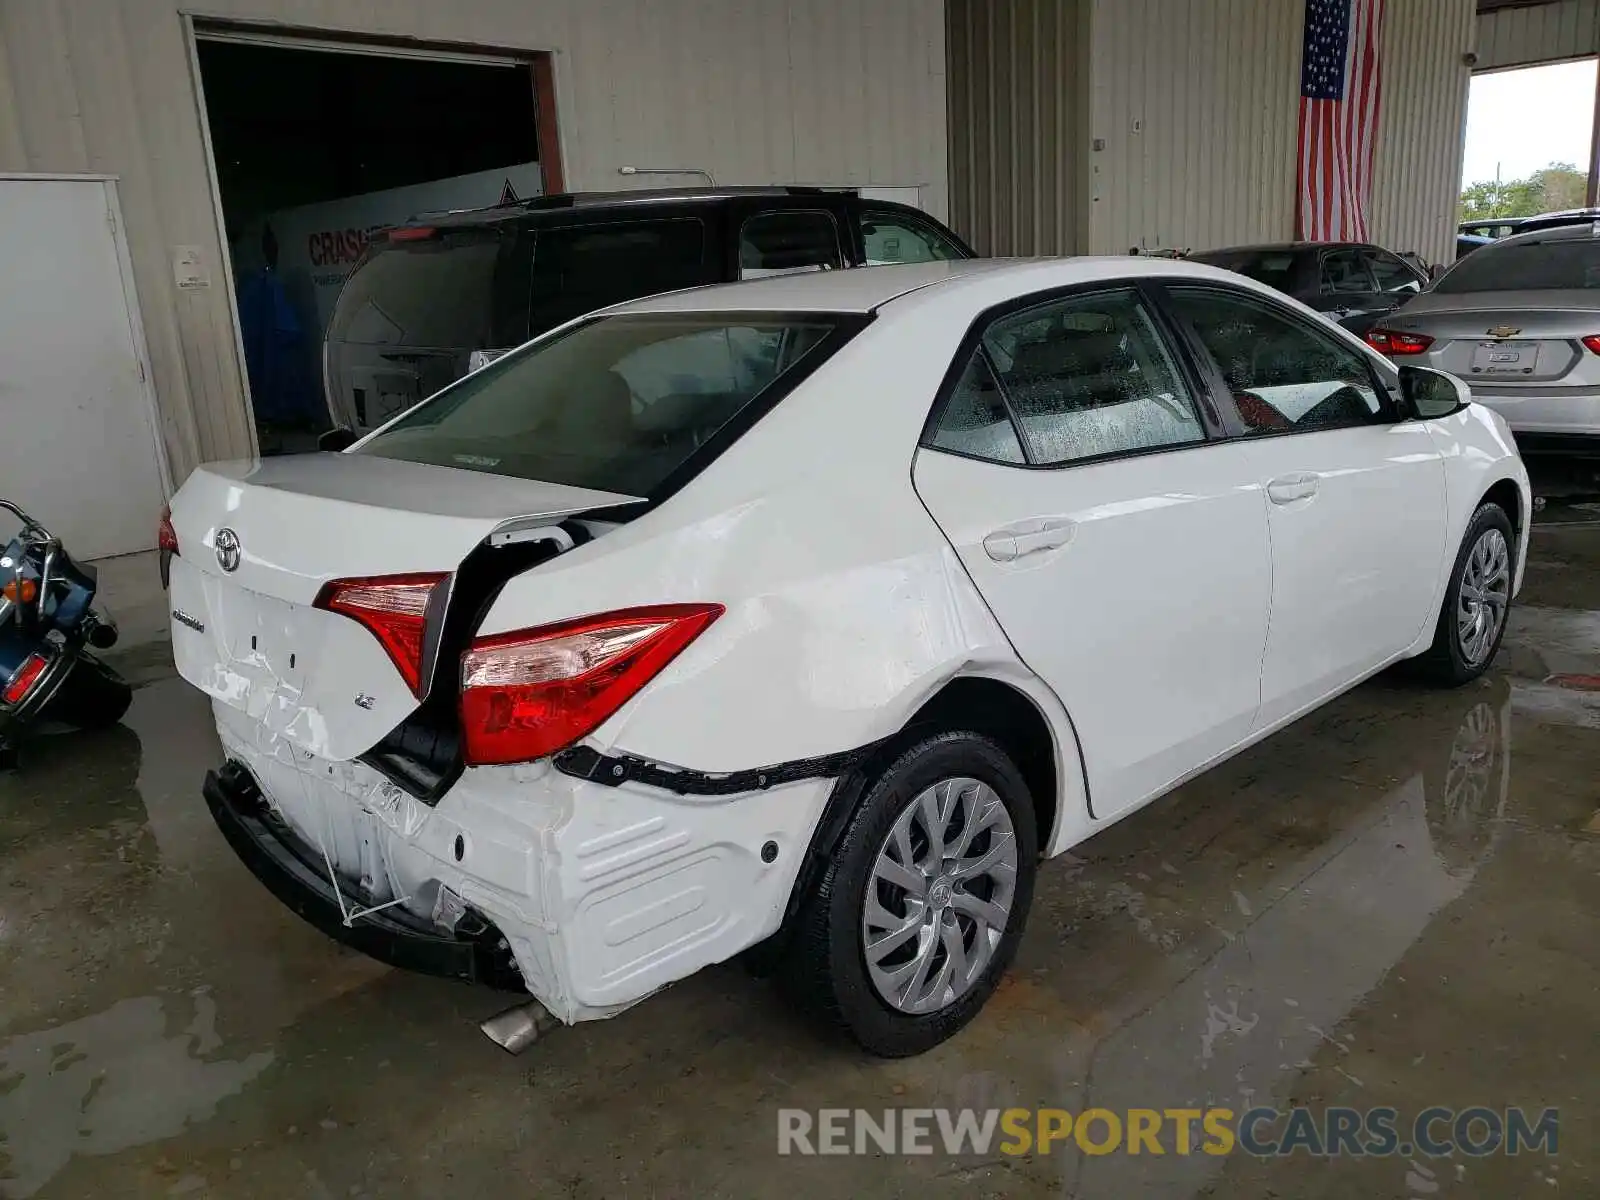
(336, 440)
(1426, 393)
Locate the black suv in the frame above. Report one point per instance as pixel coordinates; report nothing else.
(438, 297)
(1349, 282)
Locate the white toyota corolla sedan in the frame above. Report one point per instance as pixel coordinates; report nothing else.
(812, 612)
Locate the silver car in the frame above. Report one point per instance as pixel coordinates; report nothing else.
(1519, 321)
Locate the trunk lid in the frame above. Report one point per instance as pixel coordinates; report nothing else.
(250, 636)
(1503, 337)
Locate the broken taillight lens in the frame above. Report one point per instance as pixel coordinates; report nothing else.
(528, 694)
(394, 608)
(27, 675)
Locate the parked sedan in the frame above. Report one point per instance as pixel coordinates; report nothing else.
(812, 612)
(1519, 320)
(1348, 282)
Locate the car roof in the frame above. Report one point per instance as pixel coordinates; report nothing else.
(866, 289)
(1578, 231)
(1280, 247)
(556, 203)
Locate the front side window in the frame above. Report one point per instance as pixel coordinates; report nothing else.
(1390, 274)
(1343, 273)
(1284, 376)
(617, 403)
(1081, 378)
(785, 242)
(891, 237)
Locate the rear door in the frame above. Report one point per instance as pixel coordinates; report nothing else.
(1122, 549)
(1356, 497)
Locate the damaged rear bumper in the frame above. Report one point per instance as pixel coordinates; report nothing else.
(292, 871)
(600, 894)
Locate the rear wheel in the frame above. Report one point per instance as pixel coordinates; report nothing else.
(923, 902)
(1472, 620)
(93, 696)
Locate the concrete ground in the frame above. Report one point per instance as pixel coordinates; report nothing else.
(1395, 902)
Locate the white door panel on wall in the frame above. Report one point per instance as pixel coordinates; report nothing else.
(79, 451)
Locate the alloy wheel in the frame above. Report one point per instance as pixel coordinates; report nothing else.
(1485, 593)
(939, 895)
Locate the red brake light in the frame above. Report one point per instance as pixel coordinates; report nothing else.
(1392, 341)
(1593, 343)
(528, 694)
(166, 535)
(394, 609)
(412, 233)
(27, 675)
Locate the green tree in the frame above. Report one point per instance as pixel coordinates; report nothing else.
(1560, 185)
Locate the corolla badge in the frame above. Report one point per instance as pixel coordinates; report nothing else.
(1503, 331)
(227, 546)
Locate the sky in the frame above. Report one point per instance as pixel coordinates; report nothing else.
(1524, 120)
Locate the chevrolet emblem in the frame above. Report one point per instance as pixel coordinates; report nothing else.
(1503, 331)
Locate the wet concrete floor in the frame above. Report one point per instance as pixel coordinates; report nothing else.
(1395, 902)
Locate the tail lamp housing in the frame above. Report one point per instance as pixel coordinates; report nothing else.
(394, 610)
(1592, 343)
(1394, 343)
(27, 675)
(527, 694)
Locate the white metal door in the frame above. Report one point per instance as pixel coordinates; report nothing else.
(77, 441)
(1136, 589)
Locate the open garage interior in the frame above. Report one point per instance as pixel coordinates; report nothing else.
(316, 146)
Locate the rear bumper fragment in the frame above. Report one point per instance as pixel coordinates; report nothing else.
(1575, 445)
(292, 871)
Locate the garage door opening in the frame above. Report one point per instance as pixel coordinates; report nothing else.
(317, 146)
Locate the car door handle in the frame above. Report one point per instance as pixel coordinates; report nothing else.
(1286, 489)
(1029, 537)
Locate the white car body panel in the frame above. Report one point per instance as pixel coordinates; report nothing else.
(851, 567)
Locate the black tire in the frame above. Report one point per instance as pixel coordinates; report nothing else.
(825, 969)
(92, 697)
(1444, 662)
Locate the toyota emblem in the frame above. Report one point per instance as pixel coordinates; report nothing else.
(227, 546)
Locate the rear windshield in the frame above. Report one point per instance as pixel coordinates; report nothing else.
(1565, 265)
(617, 403)
(453, 289)
(1275, 268)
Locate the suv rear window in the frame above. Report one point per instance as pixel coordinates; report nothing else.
(1275, 268)
(617, 403)
(1571, 264)
(579, 268)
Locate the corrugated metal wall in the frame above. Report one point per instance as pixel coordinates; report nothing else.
(1196, 101)
(812, 91)
(1520, 37)
(1018, 89)
(1416, 180)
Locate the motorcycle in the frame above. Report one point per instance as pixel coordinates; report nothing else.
(47, 626)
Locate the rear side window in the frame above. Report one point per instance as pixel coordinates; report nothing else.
(448, 290)
(786, 242)
(580, 268)
(1567, 265)
(1080, 378)
(616, 403)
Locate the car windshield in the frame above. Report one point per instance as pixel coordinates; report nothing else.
(616, 403)
(1275, 268)
(1568, 265)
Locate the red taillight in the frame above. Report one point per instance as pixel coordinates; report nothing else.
(412, 233)
(20, 591)
(1392, 341)
(27, 675)
(394, 608)
(528, 694)
(1593, 343)
(166, 535)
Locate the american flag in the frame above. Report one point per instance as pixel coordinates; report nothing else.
(1338, 118)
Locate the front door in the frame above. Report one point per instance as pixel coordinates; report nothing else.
(1122, 551)
(1355, 497)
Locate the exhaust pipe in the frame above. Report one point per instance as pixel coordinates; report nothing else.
(518, 1028)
